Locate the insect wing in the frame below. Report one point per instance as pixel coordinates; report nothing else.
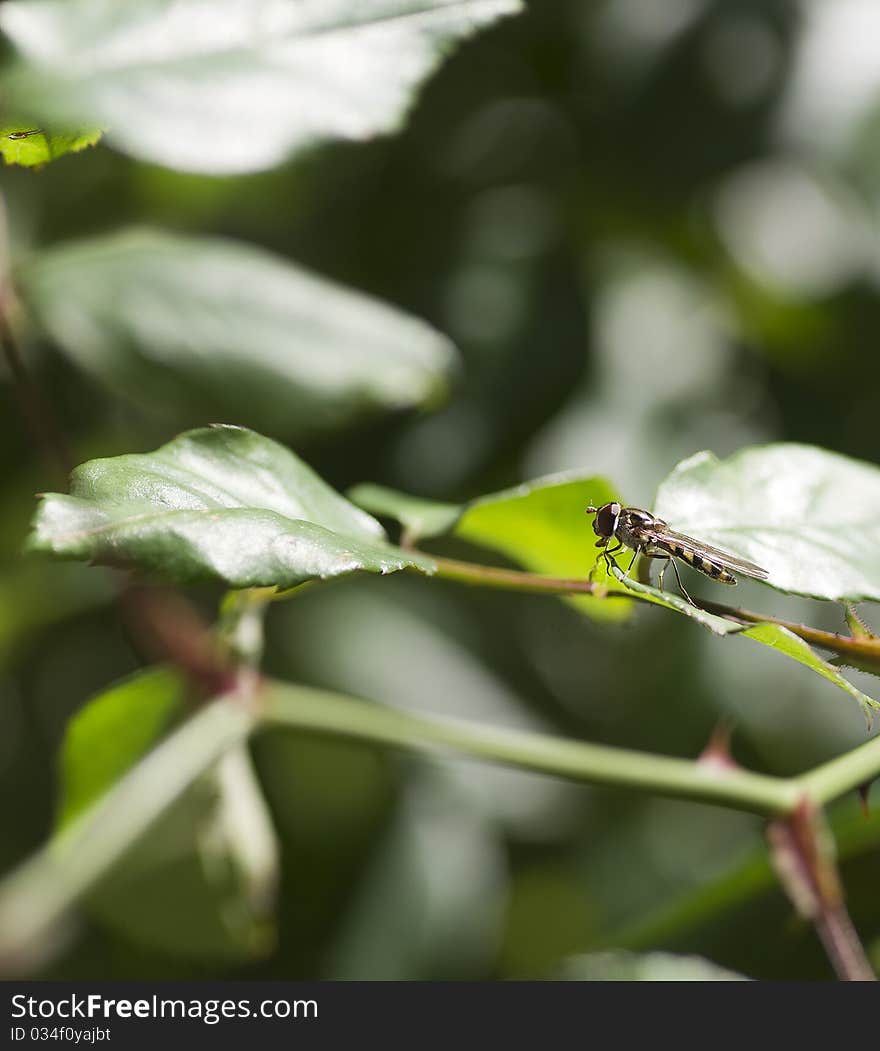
(665, 536)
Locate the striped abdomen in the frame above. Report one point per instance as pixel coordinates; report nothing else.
(703, 564)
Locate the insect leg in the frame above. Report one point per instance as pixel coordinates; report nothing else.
(632, 562)
(666, 562)
(603, 544)
(681, 586)
(609, 561)
(606, 555)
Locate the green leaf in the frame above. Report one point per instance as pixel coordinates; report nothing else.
(30, 146)
(648, 967)
(219, 503)
(811, 518)
(773, 635)
(717, 625)
(232, 85)
(540, 525)
(108, 736)
(197, 324)
(420, 518)
(200, 882)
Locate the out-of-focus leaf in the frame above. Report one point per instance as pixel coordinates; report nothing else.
(32, 147)
(540, 525)
(200, 884)
(810, 517)
(773, 635)
(650, 967)
(113, 731)
(191, 323)
(232, 85)
(218, 503)
(420, 518)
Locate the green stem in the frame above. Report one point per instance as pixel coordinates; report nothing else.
(843, 774)
(36, 900)
(518, 580)
(317, 711)
(39, 896)
(864, 649)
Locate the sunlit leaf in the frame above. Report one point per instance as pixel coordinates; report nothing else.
(810, 517)
(231, 85)
(218, 503)
(31, 146)
(188, 324)
(540, 525)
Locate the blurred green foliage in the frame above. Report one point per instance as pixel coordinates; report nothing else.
(648, 229)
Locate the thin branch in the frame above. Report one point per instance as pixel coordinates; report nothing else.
(318, 711)
(844, 774)
(802, 852)
(864, 649)
(843, 945)
(38, 897)
(167, 627)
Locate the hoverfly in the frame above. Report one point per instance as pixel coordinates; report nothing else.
(644, 534)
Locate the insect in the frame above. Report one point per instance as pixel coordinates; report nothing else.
(644, 534)
(24, 134)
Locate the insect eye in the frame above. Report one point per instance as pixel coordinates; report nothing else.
(606, 519)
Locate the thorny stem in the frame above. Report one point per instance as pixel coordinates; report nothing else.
(802, 852)
(865, 649)
(843, 945)
(23, 895)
